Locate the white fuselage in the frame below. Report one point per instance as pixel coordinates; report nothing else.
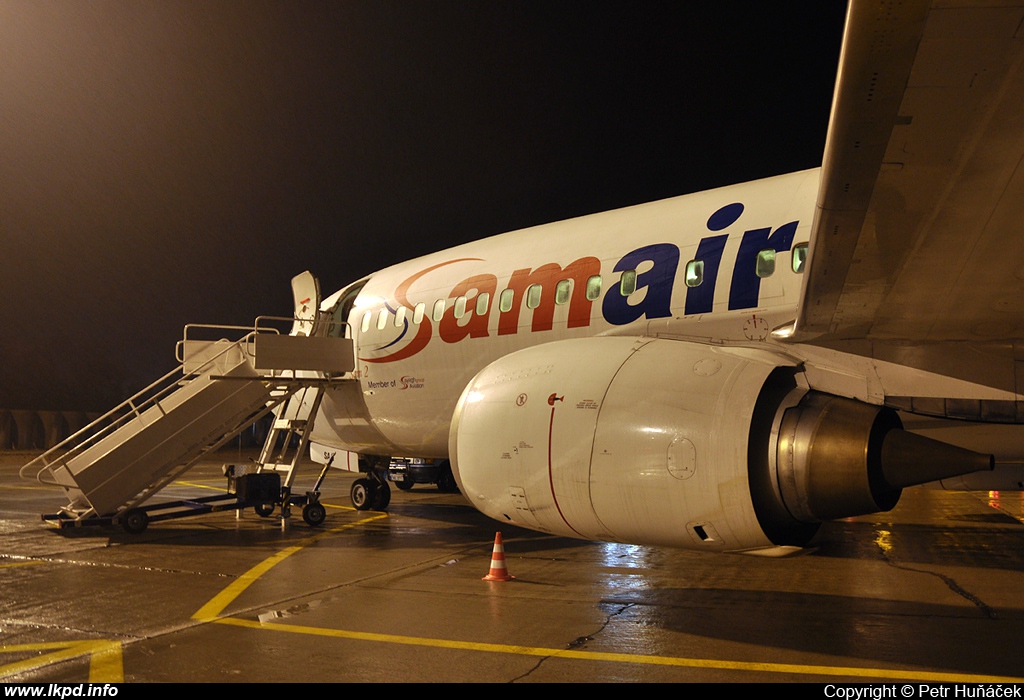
(411, 373)
(627, 376)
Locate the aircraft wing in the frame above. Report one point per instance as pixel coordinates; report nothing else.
(919, 229)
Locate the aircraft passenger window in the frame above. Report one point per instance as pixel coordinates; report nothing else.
(694, 273)
(482, 300)
(799, 257)
(417, 313)
(562, 292)
(460, 307)
(366, 321)
(765, 263)
(593, 287)
(627, 285)
(438, 311)
(400, 317)
(382, 319)
(505, 300)
(533, 296)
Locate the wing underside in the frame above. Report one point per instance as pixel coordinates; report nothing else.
(919, 230)
(918, 245)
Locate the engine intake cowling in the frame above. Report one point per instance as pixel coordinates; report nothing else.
(669, 443)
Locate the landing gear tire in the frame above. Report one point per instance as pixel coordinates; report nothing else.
(362, 494)
(314, 514)
(135, 521)
(405, 484)
(383, 497)
(264, 510)
(446, 481)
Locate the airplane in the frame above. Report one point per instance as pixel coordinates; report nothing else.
(725, 370)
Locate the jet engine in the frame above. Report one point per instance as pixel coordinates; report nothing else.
(680, 444)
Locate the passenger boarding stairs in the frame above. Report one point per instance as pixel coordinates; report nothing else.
(220, 388)
(289, 434)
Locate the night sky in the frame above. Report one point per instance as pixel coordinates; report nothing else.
(172, 162)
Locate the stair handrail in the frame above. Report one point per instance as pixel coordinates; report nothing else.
(251, 332)
(345, 325)
(120, 414)
(329, 323)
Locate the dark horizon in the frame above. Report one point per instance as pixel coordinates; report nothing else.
(167, 163)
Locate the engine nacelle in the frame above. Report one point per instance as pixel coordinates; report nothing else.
(674, 443)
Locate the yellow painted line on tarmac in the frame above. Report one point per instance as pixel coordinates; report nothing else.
(14, 487)
(212, 610)
(106, 664)
(718, 664)
(216, 605)
(197, 485)
(217, 488)
(105, 659)
(13, 564)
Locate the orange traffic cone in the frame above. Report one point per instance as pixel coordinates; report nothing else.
(499, 572)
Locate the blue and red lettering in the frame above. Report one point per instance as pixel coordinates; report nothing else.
(659, 280)
(658, 264)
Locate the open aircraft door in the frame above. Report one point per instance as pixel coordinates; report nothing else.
(306, 293)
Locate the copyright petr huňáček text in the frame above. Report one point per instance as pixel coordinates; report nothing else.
(923, 690)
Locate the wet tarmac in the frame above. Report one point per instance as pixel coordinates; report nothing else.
(933, 591)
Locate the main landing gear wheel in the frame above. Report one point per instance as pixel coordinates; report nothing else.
(382, 497)
(264, 510)
(446, 481)
(362, 494)
(135, 521)
(314, 514)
